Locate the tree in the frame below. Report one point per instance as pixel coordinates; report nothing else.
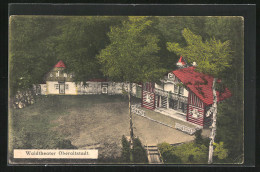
(31, 50)
(80, 41)
(212, 57)
(220, 151)
(131, 56)
(230, 126)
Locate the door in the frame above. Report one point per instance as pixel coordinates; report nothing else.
(62, 88)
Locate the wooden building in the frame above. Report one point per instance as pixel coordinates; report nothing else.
(185, 91)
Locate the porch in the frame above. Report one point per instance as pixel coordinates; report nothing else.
(180, 116)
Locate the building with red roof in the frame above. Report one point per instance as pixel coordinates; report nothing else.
(60, 64)
(60, 82)
(183, 90)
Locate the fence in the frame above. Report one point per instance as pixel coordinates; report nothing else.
(185, 129)
(135, 109)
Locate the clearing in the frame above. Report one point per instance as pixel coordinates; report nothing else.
(88, 121)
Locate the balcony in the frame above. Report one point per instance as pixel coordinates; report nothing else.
(171, 95)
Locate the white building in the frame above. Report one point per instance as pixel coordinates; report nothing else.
(58, 82)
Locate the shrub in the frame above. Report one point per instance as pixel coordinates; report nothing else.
(185, 153)
(139, 153)
(167, 152)
(198, 137)
(125, 156)
(65, 144)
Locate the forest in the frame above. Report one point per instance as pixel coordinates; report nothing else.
(95, 47)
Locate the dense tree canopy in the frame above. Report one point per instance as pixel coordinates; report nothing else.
(80, 41)
(131, 55)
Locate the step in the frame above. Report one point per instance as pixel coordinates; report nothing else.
(154, 154)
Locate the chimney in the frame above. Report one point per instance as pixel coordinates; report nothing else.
(194, 64)
(181, 63)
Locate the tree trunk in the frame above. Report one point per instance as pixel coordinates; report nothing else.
(130, 121)
(214, 122)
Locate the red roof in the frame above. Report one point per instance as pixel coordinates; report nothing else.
(200, 84)
(60, 64)
(181, 61)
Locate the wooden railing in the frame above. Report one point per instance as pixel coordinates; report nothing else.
(136, 109)
(171, 95)
(185, 128)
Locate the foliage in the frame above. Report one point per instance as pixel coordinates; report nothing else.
(220, 151)
(230, 117)
(185, 153)
(139, 153)
(80, 41)
(65, 144)
(125, 155)
(212, 56)
(131, 54)
(167, 152)
(31, 50)
(198, 137)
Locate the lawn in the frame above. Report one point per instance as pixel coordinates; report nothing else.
(88, 121)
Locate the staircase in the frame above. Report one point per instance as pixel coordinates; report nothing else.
(153, 155)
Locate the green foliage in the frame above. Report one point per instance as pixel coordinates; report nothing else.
(185, 153)
(132, 53)
(139, 153)
(220, 151)
(230, 112)
(80, 41)
(212, 56)
(31, 50)
(168, 154)
(198, 138)
(125, 155)
(65, 144)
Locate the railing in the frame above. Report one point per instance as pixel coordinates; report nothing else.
(135, 109)
(185, 129)
(161, 92)
(171, 95)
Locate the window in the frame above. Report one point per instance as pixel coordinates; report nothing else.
(104, 90)
(181, 90)
(56, 86)
(175, 89)
(58, 74)
(66, 86)
(65, 75)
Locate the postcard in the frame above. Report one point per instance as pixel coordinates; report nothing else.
(126, 89)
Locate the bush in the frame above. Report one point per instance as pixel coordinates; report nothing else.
(198, 137)
(65, 144)
(167, 152)
(125, 156)
(185, 153)
(139, 153)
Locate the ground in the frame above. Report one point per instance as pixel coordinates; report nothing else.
(89, 121)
